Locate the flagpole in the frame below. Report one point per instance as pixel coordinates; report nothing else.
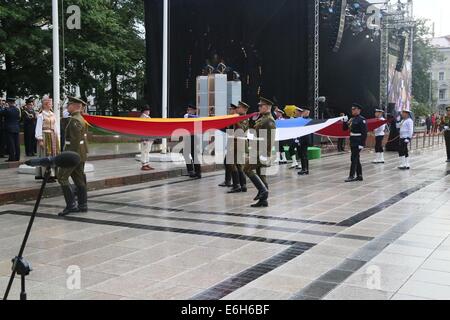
(165, 67)
(56, 69)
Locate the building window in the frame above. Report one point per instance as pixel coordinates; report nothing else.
(443, 94)
(441, 76)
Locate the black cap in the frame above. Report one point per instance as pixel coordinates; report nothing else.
(191, 106)
(263, 100)
(243, 104)
(11, 99)
(357, 106)
(29, 100)
(76, 100)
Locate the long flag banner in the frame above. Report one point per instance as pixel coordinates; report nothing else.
(299, 127)
(336, 130)
(147, 127)
(286, 129)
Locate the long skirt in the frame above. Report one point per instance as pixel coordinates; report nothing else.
(50, 148)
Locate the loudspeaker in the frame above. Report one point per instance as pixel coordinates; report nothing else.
(404, 48)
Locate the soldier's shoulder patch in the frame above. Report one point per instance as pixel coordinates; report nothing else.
(77, 124)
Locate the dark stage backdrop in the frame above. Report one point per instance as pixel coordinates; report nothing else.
(265, 41)
(350, 75)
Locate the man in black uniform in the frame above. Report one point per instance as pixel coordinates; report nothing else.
(358, 136)
(29, 128)
(12, 116)
(304, 143)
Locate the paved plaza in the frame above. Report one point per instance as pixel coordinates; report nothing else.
(384, 238)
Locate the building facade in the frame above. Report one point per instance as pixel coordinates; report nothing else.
(441, 74)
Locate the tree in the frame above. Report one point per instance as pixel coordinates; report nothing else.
(25, 47)
(104, 57)
(423, 58)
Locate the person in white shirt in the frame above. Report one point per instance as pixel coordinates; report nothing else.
(406, 126)
(379, 137)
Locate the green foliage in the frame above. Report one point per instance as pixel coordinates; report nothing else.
(424, 56)
(421, 109)
(105, 55)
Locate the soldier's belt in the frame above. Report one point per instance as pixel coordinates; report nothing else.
(237, 138)
(355, 134)
(68, 142)
(48, 130)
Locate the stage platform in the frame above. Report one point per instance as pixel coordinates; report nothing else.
(384, 238)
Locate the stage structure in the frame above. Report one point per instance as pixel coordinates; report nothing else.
(265, 42)
(291, 50)
(370, 62)
(396, 53)
(214, 95)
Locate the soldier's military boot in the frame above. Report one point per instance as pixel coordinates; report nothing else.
(82, 199)
(263, 192)
(71, 204)
(236, 186)
(243, 181)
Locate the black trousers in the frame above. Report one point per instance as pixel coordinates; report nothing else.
(13, 146)
(356, 166)
(379, 144)
(403, 149)
(447, 142)
(30, 141)
(341, 145)
(293, 148)
(190, 150)
(303, 155)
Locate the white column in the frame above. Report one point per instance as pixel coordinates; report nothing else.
(56, 75)
(165, 67)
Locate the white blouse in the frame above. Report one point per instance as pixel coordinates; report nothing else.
(40, 124)
(381, 130)
(406, 128)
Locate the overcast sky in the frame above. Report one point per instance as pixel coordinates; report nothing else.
(437, 11)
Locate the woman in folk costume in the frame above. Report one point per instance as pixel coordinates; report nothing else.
(47, 135)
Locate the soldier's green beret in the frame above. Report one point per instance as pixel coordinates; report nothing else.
(76, 100)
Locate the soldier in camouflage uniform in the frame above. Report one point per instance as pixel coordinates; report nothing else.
(76, 134)
(446, 127)
(263, 128)
(239, 150)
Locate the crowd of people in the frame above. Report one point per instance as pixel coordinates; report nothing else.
(40, 132)
(435, 123)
